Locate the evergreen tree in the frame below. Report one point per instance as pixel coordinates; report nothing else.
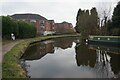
(94, 21)
(87, 22)
(115, 29)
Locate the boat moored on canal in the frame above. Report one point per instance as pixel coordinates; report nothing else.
(104, 40)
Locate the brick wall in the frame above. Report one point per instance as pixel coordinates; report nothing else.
(38, 27)
(63, 27)
(49, 25)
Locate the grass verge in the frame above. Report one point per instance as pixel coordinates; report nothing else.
(11, 67)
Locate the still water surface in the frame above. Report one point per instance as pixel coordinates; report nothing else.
(71, 58)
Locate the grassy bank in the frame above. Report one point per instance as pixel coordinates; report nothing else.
(11, 67)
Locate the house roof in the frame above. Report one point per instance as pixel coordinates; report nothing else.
(51, 21)
(63, 23)
(28, 16)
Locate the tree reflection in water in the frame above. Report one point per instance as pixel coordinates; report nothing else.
(84, 56)
(99, 62)
(103, 63)
(37, 51)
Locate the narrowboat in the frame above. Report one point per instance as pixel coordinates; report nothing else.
(104, 40)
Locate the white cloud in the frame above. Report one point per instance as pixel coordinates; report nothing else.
(57, 0)
(59, 10)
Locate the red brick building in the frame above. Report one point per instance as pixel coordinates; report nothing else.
(64, 27)
(49, 27)
(43, 26)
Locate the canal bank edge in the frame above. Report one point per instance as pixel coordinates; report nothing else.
(11, 67)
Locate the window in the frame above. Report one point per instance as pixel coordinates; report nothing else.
(32, 20)
(42, 23)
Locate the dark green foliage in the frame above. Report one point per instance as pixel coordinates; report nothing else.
(109, 26)
(116, 16)
(87, 22)
(94, 22)
(116, 20)
(20, 29)
(26, 29)
(9, 26)
(0, 27)
(113, 27)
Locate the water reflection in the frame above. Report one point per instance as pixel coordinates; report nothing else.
(70, 58)
(103, 60)
(63, 43)
(115, 64)
(39, 50)
(109, 54)
(85, 56)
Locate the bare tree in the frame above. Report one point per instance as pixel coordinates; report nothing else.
(104, 12)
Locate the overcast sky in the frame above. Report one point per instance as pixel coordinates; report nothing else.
(59, 10)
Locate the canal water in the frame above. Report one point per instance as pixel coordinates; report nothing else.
(71, 58)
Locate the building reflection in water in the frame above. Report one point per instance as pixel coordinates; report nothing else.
(37, 51)
(63, 43)
(104, 62)
(100, 60)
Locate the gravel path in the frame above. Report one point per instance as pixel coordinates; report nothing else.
(8, 47)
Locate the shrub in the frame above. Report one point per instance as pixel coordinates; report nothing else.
(20, 29)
